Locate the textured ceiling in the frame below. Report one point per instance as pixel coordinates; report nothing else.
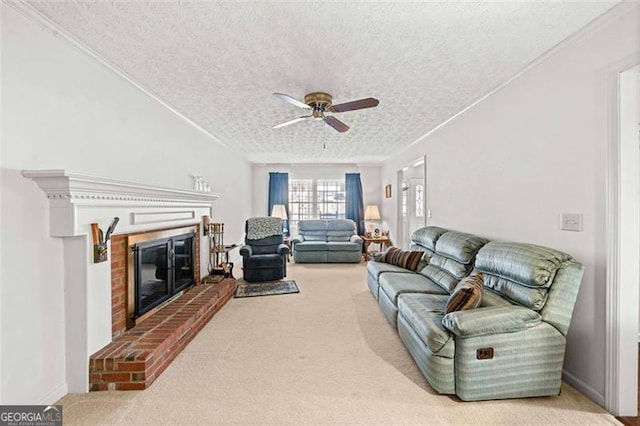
(218, 63)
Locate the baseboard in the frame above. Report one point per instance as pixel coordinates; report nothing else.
(54, 395)
(590, 392)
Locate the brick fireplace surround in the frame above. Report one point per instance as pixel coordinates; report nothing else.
(99, 353)
(136, 357)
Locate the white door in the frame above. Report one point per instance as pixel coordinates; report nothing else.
(412, 207)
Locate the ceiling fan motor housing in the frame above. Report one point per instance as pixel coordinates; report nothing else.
(319, 101)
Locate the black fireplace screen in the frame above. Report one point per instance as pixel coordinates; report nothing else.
(163, 268)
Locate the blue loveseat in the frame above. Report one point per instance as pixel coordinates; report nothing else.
(322, 241)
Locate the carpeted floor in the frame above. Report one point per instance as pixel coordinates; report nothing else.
(325, 356)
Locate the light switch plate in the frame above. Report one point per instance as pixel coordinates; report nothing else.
(571, 222)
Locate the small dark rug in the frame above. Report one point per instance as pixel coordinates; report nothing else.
(266, 288)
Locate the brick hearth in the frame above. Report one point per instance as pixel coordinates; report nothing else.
(134, 359)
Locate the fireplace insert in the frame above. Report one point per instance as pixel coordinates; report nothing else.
(163, 268)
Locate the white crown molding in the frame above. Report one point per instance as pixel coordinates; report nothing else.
(72, 195)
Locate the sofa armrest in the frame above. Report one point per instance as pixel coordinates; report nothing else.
(356, 239)
(297, 239)
(283, 249)
(376, 256)
(490, 320)
(246, 251)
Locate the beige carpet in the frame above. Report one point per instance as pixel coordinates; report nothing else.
(326, 355)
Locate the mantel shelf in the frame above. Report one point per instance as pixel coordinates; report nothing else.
(75, 198)
(60, 184)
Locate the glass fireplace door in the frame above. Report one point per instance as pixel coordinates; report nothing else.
(163, 268)
(183, 262)
(152, 275)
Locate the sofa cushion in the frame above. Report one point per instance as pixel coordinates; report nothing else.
(311, 246)
(315, 236)
(375, 268)
(312, 225)
(459, 246)
(313, 230)
(342, 246)
(341, 225)
(405, 259)
(496, 320)
(526, 264)
(258, 261)
(266, 245)
(339, 235)
(453, 259)
(395, 284)
(522, 273)
(427, 237)
(467, 294)
(491, 298)
(423, 313)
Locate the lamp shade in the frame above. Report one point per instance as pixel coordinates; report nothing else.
(372, 212)
(278, 210)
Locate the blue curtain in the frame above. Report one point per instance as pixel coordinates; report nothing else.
(354, 206)
(279, 194)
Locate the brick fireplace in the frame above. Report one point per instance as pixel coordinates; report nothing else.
(142, 348)
(93, 325)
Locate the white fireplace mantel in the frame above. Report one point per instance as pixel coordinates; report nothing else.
(70, 194)
(75, 202)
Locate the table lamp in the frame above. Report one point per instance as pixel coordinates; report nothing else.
(371, 213)
(278, 210)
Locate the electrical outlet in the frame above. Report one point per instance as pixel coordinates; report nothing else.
(571, 222)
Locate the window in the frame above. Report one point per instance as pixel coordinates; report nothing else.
(316, 199)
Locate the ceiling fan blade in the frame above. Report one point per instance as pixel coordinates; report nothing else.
(359, 104)
(292, 101)
(336, 124)
(287, 123)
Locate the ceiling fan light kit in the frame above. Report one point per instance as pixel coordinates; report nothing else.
(319, 103)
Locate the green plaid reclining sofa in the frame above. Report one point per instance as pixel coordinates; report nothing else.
(512, 345)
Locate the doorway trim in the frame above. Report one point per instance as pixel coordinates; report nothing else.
(617, 363)
(401, 239)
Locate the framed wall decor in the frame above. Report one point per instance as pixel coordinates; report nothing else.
(387, 191)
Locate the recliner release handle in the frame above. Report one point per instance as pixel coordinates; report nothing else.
(484, 353)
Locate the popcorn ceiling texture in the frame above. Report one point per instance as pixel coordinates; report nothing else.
(218, 63)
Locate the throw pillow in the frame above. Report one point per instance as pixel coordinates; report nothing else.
(405, 259)
(467, 294)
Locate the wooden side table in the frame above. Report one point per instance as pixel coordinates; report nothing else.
(383, 241)
(287, 242)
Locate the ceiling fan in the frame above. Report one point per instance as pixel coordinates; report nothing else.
(318, 103)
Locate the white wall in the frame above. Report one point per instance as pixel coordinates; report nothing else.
(61, 109)
(508, 167)
(372, 188)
